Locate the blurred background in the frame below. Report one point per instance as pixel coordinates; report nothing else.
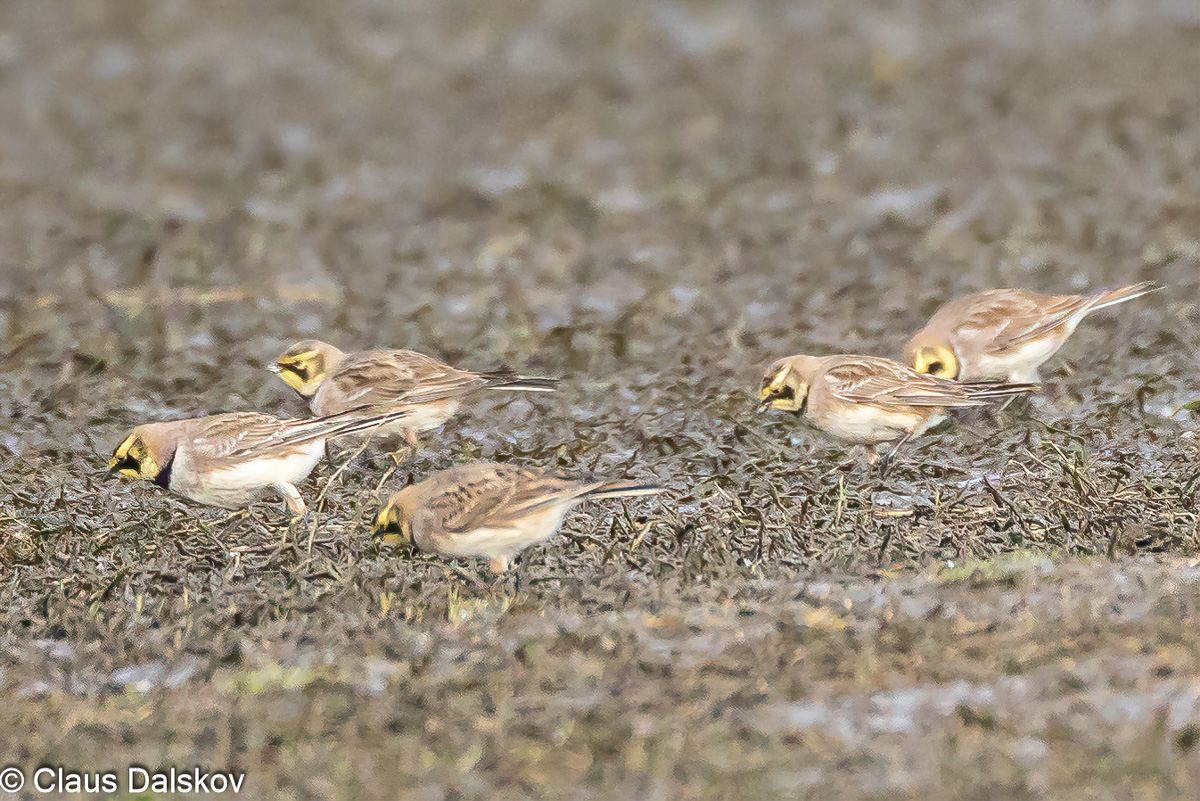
(459, 176)
(652, 200)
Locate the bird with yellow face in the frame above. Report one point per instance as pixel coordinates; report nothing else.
(1005, 334)
(226, 460)
(866, 400)
(333, 381)
(488, 509)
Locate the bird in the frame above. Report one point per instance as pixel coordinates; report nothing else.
(333, 381)
(226, 459)
(868, 400)
(1005, 334)
(488, 509)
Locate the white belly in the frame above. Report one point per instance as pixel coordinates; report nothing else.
(422, 417)
(504, 542)
(1020, 364)
(869, 425)
(428, 416)
(237, 485)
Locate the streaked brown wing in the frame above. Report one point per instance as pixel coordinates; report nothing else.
(493, 496)
(1053, 316)
(236, 434)
(1001, 319)
(389, 376)
(233, 433)
(867, 379)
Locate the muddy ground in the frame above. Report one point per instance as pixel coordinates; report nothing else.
(650, 200)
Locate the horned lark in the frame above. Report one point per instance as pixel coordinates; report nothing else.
(227, 459)
(867, 400)
(333, 381)
(1004, 334)
(488, 509)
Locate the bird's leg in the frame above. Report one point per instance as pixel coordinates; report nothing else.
(885, 463)
(411, 447)
(470, 578)
(1030, 377)
(857, 454)
(1020, 405)
(519, 573)
(295, 503)
(498, 564)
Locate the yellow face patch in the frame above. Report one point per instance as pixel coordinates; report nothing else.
(937, 360)
(303, 371)
(784, 392)
(391, 526)
(133, 458)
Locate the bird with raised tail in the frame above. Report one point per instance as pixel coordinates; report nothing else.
(1005, 334)
(488, 509)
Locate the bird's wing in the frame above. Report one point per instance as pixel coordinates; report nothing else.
(1001, 319)
(1058, 310)
(239, 434)
(236, 433)
(388, 377)
(494, 496)
(867, 379)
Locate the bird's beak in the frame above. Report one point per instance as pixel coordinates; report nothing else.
(274, 368)
(111, 473)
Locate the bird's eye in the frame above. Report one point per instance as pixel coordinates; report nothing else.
(936, 367)
(128, 464)
(300, 370)
(392, 530)
(388, 522)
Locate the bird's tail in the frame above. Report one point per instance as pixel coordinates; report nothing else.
(1073, 308)
(335, 425)
(508, 379)
(1102, 300)
(618, 489)
(986, 391)
(367, 420)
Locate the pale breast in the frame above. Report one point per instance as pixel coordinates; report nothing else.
(428, 416)
(236, 484)
(494, 542)
(866, 424)
(422, 417)
(1016, 364)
